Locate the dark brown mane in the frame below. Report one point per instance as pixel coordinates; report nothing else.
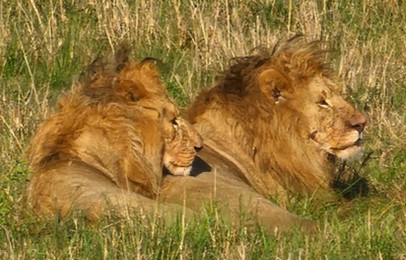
(240, 74)
(294, 58)
(117, 79)
(98, 78)
(106, 66)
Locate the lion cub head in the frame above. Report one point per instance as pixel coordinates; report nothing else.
(181, 140)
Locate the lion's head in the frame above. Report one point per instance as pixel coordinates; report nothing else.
(285, 113)
(181, 139)
(296, 80)
(181, 148)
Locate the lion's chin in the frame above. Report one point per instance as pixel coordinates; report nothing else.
(352, 152)
(179, 170)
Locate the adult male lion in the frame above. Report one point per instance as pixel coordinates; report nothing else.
(104, 148)
(271, 124)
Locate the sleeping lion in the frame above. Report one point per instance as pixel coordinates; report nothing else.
(104, 148)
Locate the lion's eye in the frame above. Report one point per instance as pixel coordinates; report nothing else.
(323, 103)
(175, 123)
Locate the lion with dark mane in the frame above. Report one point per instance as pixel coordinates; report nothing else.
(272, 124)
(105, 147)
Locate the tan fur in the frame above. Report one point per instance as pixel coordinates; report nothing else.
(272, 124)
(106, 144)
(180, 150)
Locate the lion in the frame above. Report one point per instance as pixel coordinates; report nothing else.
(273, 125)
(104, 149)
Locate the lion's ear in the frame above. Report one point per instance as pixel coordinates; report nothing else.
(150, 65)
(130, 90)
(274, 84)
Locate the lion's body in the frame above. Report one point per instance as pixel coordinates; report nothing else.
(272, 125)
(218, 184)
(106, 145)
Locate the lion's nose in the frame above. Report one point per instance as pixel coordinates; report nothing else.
(198, 147)
(198, 142)
(358, 122)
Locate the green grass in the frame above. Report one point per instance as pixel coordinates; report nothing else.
(45, 44)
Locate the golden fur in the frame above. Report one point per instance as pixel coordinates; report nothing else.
(285, 114)
(272, 123)
(108, 141)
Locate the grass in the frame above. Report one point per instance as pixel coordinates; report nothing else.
(45, 44)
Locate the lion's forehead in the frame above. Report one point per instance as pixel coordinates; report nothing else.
(323, 89)
(326, 85)
(186, 132)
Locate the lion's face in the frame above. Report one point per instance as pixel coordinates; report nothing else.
(299, 79)
(181, 147)
(331, 123)
(181, 139)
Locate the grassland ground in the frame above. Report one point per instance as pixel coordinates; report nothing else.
(45, 44)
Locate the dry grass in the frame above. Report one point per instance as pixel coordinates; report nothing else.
(44, 44)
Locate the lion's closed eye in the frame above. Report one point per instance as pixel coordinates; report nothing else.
(323, 103)
(180, 149)
(175, 124)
